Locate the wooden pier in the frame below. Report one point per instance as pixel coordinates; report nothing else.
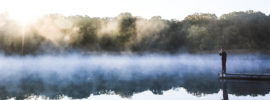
(244, 76)
(225, 75)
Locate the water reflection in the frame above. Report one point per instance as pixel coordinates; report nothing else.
(83, 87)
(244, 88)
(85, 81)
(224, 90)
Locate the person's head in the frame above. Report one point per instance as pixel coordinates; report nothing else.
(221, 50)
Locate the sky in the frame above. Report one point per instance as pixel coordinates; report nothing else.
(167, 9)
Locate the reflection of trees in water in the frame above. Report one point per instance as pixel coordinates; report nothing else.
(201, 83)
(81, 86)
(248, 87)
(244, 87)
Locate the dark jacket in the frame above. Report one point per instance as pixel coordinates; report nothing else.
(223, 54)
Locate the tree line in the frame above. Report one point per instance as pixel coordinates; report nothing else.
(244, 30)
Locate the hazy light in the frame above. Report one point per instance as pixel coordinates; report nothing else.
(23, 18)
(25, 10)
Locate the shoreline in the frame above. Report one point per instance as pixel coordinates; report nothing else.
(233, 52)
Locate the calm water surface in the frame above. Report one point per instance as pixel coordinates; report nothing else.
(131, 77)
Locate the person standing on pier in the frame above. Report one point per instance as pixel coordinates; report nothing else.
(223, 55)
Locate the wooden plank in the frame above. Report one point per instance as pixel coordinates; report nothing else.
(245, 76)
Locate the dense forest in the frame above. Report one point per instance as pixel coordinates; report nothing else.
(199, 32)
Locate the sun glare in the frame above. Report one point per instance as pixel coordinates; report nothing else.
(23, 18)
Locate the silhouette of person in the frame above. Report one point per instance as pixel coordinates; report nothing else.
(223, 55)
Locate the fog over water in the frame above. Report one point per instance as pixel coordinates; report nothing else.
(79, 76)
(125, 65)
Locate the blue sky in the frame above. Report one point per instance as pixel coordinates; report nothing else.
(168, 9)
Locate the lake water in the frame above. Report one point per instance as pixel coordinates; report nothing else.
(131, 77)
